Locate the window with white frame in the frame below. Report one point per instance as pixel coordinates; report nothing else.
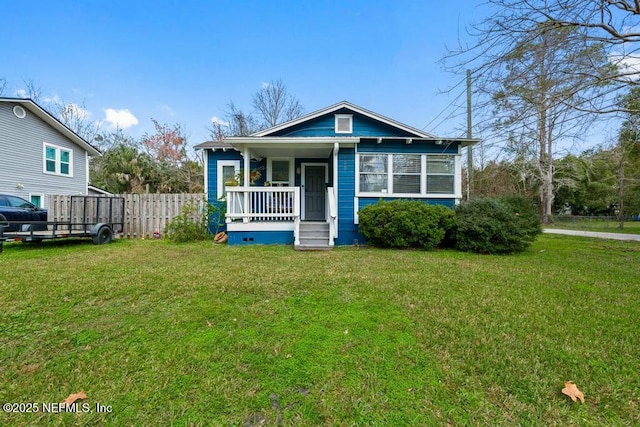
(374, 176)
(344, 123)
(227, 173)
(440, 174)
(406, 174)
(36, 199)
(280, 172)
(58, 160)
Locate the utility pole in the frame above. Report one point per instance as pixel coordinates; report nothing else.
(469, 135)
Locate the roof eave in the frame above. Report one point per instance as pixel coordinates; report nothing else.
(55, 123)
(338, 106)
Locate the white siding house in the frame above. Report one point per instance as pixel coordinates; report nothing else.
(40, 156)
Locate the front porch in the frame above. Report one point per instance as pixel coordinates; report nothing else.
(280, 215)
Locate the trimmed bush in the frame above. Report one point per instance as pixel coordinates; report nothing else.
(404, 224)
(496, 225)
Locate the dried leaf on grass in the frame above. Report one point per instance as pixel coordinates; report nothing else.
(73, 397)
(571, 390)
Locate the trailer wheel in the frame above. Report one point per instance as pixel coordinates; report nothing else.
(103, 236)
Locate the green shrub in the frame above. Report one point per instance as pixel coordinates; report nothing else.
(190, 225)
(404, 224)
(448, 223)
(496, 225)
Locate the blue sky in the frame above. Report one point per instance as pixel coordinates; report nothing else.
(183, 61)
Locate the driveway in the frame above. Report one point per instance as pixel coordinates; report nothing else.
(598, 234)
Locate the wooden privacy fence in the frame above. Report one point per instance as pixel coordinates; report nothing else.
(143, 213)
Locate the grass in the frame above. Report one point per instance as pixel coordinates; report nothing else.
(604, 225)
(199, 334)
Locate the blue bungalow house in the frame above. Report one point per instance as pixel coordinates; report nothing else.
(303, 182)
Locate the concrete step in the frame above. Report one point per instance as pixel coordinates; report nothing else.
(314, 226)
(321, 240)
(307, 247)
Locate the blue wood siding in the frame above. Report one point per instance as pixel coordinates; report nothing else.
(347, 230)
(212, 170)
(300, 161)
(400, 146)
(366, 201)
(363, 126)
(260, 238)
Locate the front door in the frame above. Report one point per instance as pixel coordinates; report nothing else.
(314, 193)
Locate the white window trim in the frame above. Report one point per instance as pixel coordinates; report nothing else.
(291, 161)
(58, 162)
(41, 199)
(220, 181)
(457, 187)
(344, 116)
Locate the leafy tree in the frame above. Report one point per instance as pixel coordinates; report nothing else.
(173, 171)
(123, 169)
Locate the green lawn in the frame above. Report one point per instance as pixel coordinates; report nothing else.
(607, 226)
(199, 334)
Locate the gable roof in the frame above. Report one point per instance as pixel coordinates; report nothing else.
(340, 105)
(40, 112)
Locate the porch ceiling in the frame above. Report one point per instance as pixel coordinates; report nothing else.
(300, 147)
(273, 150)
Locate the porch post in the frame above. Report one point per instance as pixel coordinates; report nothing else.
(336, 148)
(246, 182)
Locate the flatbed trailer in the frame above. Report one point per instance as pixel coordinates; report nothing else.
(97, 217)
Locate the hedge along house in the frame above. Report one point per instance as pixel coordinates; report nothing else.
(304, 181)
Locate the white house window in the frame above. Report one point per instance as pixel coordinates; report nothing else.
(227, 172)
(344, 123)
(406, 174)
(280, 172)
(374, 176)
(440, 174)
(58, 160)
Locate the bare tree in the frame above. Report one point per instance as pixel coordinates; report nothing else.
(536, 89)
(3, 86)
(33, 90)
(240, 123)
(76, 117)
(613, 24)
(274, 104)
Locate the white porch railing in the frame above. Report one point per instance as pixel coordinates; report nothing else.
(332, 215)
(263, 204)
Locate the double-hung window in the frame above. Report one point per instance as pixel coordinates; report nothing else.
(227, 175)
(58, 160)
(406, 174)
(440, 174)
(280, 172)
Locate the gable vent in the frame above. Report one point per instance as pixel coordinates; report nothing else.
(344, 123)
(19, 112)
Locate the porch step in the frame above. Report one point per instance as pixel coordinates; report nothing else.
(314, 236)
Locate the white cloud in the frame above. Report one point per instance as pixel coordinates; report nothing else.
(74, 110)
(122, 119)
(218, 121)
(167, 110)
(628, 64)
(21, 93)
(265, 85)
